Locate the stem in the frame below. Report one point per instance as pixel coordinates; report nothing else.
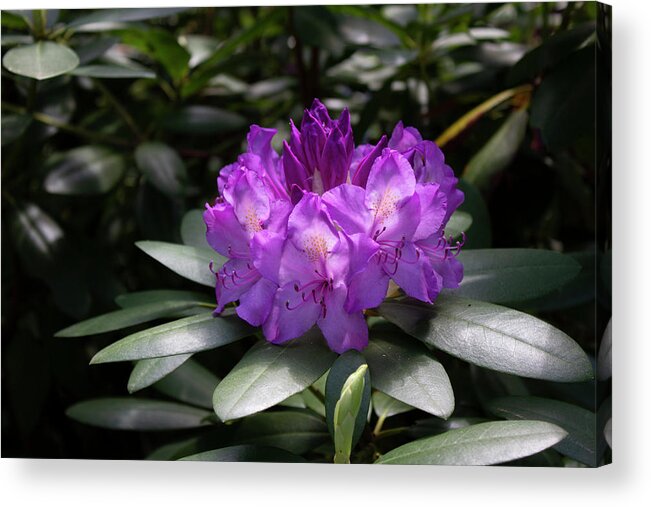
(53, 122)
(474, 114)
(378, 425)
(128, 119)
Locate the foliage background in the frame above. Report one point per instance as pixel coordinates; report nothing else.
(198, 78)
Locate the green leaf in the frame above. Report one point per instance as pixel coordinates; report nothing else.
(479, 234)
(513, 274)
(13, 126)
(347, 410)
(202, 120)
(162, 166)
(42, 60)
(200, 47)
(493, 337)
(481, 444)
(160, 296)
(247, 453)
(344, 366)
(148, 371)
(605, 357)
(126, 317)
(122, 15)
(499, 151)
(563, 106)
(268, 374)
(184, 336)
(459, 222)
(405, 370)
(193, 229)
(190, 383)
(552, 50)
(87, 170)
(137, 414)
(608, 432)
(386, 406)
(578, 422)
(113, 72)
(189, 262)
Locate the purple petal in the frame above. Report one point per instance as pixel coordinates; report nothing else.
(255, 304)
(433, 207)
(346, 205)
(342, 330)
(413, 273)
(234, 278)
(404, 138)
(296, 174)
(369, 155)
(290, 316)
(310, 228)
(368, 287)
(250, 202)
(223, 231)
(266, 253)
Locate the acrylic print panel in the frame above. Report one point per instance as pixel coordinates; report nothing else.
(332, 234)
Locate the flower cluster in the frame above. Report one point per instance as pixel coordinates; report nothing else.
(316, 235)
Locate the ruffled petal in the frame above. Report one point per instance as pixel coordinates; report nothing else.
(290, 316)
(342, 330)
(255, 303)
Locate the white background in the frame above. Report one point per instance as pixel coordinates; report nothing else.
(628, 481)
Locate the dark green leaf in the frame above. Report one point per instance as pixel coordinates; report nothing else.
(405, 370)
(162, 47)
(493, 337)
(126, 317)
(163, 166)
(148, 371)
(122, 15)
(160, 296)
(90, 50)
(248, 453)
(513, 274)
(578, 422)
(605, 357)
(42, 60)
(608, 432)
(202, 120)
(345, 365)
(193, 229)
(459, 222)
(479, 234)
(113, 72)
(184, 336)
(385, 406)
(190, 383)
(499, 151)
(268, 374)
(13, 126)
(189, 262)
(137, 414)
(85, 170)
(481, 444)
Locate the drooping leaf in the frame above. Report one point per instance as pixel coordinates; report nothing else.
(499, 151)
(190, 383)
(126, 317)
(345, 365)
(202, 120)
(193, 229)
(105, 71)
(459, 222)
(247, 453)
(480, 444)
(268, 374)
(163, 166)
(492, 336)
(43, 60)
(85, 171)
(159, 296)
(189, 262)
(148, 371)
(578, 422)
(605, 357)
(184, 336)
(137, 414)
(386, 406)
(513, 274)
(404, 369)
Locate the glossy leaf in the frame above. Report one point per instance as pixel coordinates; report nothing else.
(608, 432)
(137, 414)
(159, 296)
(126, 317)
(605, 357)
(499, 151)
(148, 371)
(162, 166)
(513, 274)
(190, 383)
(345, 365)
(86, 170)
(247, 453)
(578, 422)
(407, 371)
(386, 406)
(184, 336)
(481, 444)
(492, 336)
(104, 71)
(162, 46)
(189, 262)
(202, 120)
(193, 229)
(122, 15)
(459, 222)
(43, 60)
(268, 374)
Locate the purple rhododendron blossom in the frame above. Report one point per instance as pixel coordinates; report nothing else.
(313, 237)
